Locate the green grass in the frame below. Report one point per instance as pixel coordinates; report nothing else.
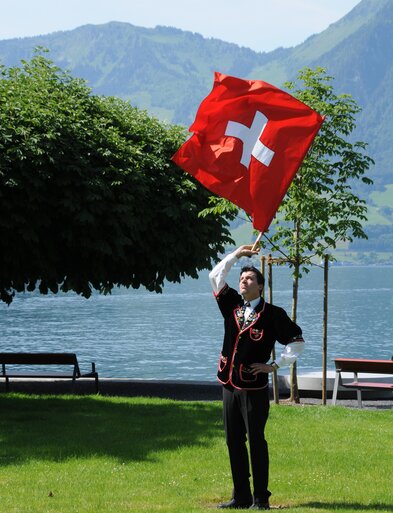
(97, 454)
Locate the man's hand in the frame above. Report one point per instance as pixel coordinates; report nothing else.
(246, 251)
(258, 368)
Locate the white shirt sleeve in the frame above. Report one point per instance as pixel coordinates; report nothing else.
(218, 274)
(290, 353)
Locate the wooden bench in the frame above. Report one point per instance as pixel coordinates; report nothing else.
(357, 365)
(44, 360)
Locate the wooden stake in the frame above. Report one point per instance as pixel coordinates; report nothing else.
(276, 395)
(263, 259)
(325, 327)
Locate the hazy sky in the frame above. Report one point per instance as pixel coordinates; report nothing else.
(262, 25)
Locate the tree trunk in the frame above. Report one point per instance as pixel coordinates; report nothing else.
(294, 397)
(273, 355)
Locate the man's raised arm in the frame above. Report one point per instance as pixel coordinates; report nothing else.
(219, 273)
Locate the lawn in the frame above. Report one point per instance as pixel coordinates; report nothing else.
(66, 454)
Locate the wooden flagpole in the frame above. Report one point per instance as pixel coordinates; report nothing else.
(257, 241)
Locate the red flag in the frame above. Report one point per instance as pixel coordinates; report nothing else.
(249, 140)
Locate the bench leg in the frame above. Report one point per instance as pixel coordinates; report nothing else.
(335, 389)
(359, 394)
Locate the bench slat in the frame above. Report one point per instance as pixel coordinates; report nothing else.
(21, 374)
(38, 358)
(364, 384)
(367, 366)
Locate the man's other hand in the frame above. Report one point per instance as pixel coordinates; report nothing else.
(258, 368)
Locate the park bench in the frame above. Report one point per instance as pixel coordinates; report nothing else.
(9, 361)
(357, 365)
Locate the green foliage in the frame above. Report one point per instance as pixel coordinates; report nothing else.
(221, 206)
(89, 197)
(320, 208)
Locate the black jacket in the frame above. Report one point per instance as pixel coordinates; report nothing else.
(251, 342)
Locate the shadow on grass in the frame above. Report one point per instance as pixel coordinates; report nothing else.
(331, 506)
(58, 428)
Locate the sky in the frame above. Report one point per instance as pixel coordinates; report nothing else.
(262, 25)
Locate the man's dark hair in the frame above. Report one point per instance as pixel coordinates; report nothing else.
(251, 268)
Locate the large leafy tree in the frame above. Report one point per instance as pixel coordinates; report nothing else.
(89, 197)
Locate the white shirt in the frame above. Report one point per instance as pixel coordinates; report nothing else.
(251, 308)
(217, 278)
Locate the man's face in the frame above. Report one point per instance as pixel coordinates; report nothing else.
(248, 286)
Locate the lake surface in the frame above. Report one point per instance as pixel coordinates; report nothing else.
(178, 334)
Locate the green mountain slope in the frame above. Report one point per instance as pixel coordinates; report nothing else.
(356, 51)
(164, 70)
(362, 66)
(284, 67)
(168, 72)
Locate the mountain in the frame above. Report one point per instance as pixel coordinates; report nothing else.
(164, 70)
(168, 71)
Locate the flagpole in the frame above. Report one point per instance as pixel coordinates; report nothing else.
(257, 241)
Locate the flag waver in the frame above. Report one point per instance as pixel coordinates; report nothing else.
(249, 139)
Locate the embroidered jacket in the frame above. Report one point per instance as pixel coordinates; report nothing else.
(251, 341)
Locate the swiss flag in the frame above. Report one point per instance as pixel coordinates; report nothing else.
(249, 140)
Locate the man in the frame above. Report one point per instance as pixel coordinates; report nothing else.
(252, 326)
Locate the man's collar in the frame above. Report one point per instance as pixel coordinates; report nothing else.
(254, 302)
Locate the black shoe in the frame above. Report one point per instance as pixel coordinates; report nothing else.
(260, 505)
(235, 504)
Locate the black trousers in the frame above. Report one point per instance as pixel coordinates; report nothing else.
(245, 416)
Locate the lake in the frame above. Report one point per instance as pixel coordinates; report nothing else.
(178, 334)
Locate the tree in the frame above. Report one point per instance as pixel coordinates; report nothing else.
(89, 197)
(321, 209)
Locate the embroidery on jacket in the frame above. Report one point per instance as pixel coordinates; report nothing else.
(256, 334)
(250, 320)
(242, 323)
(239, 314)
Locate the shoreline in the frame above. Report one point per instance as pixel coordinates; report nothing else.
(180, 390)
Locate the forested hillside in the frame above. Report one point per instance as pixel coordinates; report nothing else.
(168, 72)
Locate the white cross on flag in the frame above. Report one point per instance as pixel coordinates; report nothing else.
(249, 140)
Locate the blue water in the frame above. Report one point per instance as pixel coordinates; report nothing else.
(178, 334)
